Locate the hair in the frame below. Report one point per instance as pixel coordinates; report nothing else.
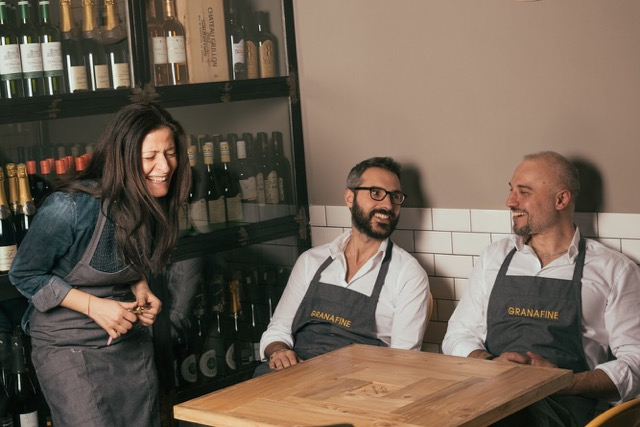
(355, 175)
(567, 173)
(146, 226)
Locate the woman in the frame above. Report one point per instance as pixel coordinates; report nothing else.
(83, 264)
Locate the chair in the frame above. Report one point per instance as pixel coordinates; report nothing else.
(624, 415)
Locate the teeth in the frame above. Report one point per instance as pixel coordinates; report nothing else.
(516, 214)
(157, 178)
(383, 216)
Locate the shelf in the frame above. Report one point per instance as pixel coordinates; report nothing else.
(93, 103)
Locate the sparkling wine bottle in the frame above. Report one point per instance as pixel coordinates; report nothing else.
(26, 205)
(75, 71)
(93, 50)
(116, 46)
(8, 243)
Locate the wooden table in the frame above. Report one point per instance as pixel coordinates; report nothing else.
(376, 386)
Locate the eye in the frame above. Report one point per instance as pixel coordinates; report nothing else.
(397, 197)
(377, 192)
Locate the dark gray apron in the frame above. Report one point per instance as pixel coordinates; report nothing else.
(85, 382)
(542, 315)
(331, 317)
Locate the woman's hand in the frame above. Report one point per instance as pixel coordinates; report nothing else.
(145, 298)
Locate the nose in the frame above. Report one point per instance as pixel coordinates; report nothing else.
(162, 164)
(512, 200)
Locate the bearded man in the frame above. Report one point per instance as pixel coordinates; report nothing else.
(360, 288)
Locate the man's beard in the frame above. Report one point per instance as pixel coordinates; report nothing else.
(524, 231)
(362, 222)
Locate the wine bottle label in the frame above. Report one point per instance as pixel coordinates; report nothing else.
(77, 79)
(248, 189)
(237, 52)
(102, 76)
(176, 53)
(198, 215)
(120, 73)
(7, 253)
(267, 60)
(234, 208)
(29, 420)
(260, 187)
(31, 56)
(10, 66)
(159, 50)
(252, 60)
(52, 59)
(271, 189)
(216, 211)
(280, 190)
(209, 364)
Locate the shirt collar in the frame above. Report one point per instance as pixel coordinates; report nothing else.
(338, 246)
(572, 252)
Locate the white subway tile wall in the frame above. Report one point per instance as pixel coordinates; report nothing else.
(447, 243)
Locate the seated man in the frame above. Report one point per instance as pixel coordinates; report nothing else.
(549, 297)
(360, 288)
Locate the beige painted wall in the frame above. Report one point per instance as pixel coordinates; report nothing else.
(459, 90)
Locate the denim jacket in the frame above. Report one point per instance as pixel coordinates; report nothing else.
(55, 242)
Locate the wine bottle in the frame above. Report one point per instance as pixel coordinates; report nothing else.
(30, 52)
(236, 43)
(213, 192)
(12, 184)
(283, 166)
(94, 54)
(49, 37)
(116, 46)
(34, 180)
(158, 46)
(6, 418)
(23, 395)
(8, 243)
(26, 205)
(251, 46)
(75, 71)
(230, 186)
(269, 172)
(10, 64)
(45, 182)
(173, 31)
(5, 359)
(267, 61)
(197, 202)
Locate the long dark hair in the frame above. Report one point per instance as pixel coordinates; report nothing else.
(146, 226)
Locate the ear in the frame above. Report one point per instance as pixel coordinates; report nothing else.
(348, 197)
(563, 198)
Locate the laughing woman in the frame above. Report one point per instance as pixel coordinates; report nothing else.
(83, 264)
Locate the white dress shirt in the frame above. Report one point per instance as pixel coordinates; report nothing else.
(401, 313)
(610, 302)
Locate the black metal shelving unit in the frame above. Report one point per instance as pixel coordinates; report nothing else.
(291, 225)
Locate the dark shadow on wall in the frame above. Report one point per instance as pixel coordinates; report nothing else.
(410, 178)
(591, 198)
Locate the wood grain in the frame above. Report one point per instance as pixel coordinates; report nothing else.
(376, 386)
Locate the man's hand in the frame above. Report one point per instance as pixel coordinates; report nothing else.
(281, 356)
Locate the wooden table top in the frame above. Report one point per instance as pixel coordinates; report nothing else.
(363, 385)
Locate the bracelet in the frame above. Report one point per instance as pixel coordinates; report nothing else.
(280, 350)
(89, 307)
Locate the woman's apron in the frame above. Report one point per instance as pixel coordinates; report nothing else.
(544, 316)
(331, 317)
(85, 382)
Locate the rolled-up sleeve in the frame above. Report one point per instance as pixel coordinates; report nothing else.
(49, 238)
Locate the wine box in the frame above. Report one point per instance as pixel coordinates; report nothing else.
(205, 33)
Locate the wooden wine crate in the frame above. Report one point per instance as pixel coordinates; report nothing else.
(205, 38)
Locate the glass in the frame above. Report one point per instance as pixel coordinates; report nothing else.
(378, 194)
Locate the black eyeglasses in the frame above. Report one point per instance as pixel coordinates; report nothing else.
(378, 194)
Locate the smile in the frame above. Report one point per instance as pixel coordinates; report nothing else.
(157, 178)
(517, 214)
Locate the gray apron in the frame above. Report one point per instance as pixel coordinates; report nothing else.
(331, 317)
(542, 315)
(85, 382)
